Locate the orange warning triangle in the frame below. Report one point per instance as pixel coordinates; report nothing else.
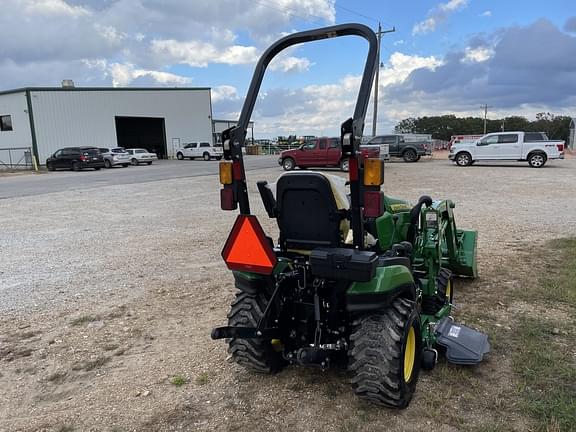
(247, 248)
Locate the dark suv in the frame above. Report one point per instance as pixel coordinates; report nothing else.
(75, 158)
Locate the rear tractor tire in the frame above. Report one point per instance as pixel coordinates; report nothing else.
(385, 355)
(257, 355)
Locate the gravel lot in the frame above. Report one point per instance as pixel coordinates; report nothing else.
(109, 292)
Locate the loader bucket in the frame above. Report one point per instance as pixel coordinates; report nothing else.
(464, 263)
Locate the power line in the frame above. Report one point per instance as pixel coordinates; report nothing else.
(354, 12)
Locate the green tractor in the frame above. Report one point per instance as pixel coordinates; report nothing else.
(356, 279)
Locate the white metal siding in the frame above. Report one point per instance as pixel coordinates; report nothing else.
(15, 105)
(87, 117)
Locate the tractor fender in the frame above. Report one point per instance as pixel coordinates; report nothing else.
(251, 283)
(389, 283)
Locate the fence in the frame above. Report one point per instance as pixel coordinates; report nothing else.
(16, 158)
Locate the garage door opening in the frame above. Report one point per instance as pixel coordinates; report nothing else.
(142, 132)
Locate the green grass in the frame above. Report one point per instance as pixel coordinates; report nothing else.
(543, 361)
(202, 378)
(178, 380)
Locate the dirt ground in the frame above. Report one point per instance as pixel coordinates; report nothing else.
(108, 297)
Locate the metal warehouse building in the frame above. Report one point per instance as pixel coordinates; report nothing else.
(158, 119)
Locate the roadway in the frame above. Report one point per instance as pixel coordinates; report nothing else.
(12, 186)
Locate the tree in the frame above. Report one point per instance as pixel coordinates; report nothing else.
(443, 127)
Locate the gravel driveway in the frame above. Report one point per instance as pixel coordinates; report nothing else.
(108, 292)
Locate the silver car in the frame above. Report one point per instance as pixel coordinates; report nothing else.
(114, 156)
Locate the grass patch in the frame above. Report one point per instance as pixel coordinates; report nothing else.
(178, 380)
(543, 361)
(202, 378)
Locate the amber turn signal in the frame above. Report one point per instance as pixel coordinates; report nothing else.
(373, 172)
(226, 172)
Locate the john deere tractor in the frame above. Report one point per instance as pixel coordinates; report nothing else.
(357, 279)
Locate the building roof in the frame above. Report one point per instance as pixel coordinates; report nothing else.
(72, 89)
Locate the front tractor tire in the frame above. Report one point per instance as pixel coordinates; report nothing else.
(385, 355)
(463, 159)
(257, 355)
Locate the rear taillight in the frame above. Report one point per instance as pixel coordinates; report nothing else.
(227, 201)
(425, 146)
(373, 204)
(560, 147)
(82, 158)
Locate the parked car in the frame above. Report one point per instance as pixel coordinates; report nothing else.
(75, 158)
(533, 147)
(320, 152)
(398, 147)
(140, 155)
(200, 149)
(115, 156)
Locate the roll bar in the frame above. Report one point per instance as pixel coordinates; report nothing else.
(351, 130)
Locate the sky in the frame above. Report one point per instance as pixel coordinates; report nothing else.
(445, 57)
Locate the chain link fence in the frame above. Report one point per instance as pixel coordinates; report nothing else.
(16, 158)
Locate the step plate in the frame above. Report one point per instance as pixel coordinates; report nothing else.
(463, 345)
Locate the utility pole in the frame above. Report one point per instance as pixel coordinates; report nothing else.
(485, 108)
(379, 34)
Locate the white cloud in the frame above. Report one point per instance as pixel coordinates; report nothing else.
(200, 54)
(477, 55)
(487, 13)
(290, 64)
(224, 92)
(124, 74)
(438, 15)
(319, 109)
(401, 65)
(452, 5)
(428, 25)
(53, 7)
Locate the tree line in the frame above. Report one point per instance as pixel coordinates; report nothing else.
(443, 127)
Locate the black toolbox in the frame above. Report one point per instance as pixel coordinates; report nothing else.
(342, 263)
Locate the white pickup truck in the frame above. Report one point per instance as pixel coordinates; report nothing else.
(533, 147)
(202, 150)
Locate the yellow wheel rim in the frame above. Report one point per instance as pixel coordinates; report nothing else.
(449, 290)
(409, 354)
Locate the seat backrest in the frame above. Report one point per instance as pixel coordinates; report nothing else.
(308, 214)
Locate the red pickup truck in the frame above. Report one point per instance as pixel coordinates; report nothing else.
(320, 152)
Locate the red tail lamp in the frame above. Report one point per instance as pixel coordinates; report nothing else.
(373, 204)
(227, 201)
(247, 248)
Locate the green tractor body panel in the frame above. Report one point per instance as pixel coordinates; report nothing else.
(465, 264)
(387, 279)
(387, 233)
